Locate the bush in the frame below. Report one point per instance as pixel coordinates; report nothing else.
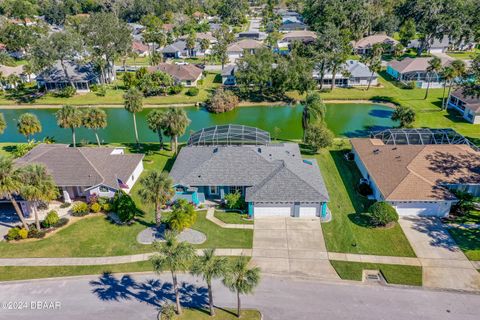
(234, 201)
(382, 213)
(124, 206)
(192, 92)
(61, 222)
(79, 209)
(23, 149)
(65, 205)
(364, 189)
(410, 85)
(13, 234)
(103, 200)
(318, 136)
(107, 207)
(23, 233)
(50, 220)
(100, 90)
(183, 215)
(222, 101)
(36, 234)
(66, 92)
(93, 198)
(96, 207)
(176, 89)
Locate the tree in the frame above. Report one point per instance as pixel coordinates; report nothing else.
(448, 75)
(182, 216)
(38, 185)
(209, 267)
(20, 9)
(3, 123)
(10, 185)
(407, 32)
(405, 115)
(94, 119)
(233, 12)
(175, 257)
(176, 122)
(241, 278)
(156, 123)
(190, 43)
(222, 101)
(318, 136)
(382, 213)
(373, 60)
(69, 118)
(28, 125)
(314, 111)
(459, 70)
(434, 66)
(157, 189)
(133, 103)
(204, 45)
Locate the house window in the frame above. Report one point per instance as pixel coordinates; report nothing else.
(234, 189)
(103, 189)
(189, 83)
(213, 190)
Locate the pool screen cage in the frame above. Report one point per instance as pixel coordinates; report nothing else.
(230, 134)
(422, 136)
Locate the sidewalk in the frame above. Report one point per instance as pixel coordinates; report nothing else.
(210, 216)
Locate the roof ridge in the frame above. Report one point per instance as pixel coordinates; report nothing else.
(91, 164)
(268, 177)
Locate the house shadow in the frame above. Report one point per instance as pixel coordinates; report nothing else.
(438, 235)
(109, 287)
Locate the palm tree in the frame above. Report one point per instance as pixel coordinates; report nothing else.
(241, 278)
(10, 185)
(157, 189)
(95, 118)
(176, 122)
(3, 123)
(3, 81)
(204, 45)
(434, 66)
(459, 69)
(69, 117)
(448, 74)
(190, 43)
(156, 123)
(38, 185)
(133, 104)
(174, 256)
(314, 110)
(209, 266)
(28, 124)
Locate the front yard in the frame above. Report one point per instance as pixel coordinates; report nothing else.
(467, 239)
(232, 217)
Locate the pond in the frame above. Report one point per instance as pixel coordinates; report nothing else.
(349, 120)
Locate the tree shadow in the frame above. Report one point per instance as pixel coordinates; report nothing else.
(24, 95)
(361, 219)
(466, 239)
(438, 235)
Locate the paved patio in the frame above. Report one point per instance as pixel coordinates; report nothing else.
(292, 246)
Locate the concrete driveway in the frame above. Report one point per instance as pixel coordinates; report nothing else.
(444, 264)
(291, 246)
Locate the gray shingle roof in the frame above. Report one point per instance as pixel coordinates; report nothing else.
(76, 72)
(83, 166)
(271, 173)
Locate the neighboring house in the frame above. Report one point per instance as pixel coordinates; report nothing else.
(178, 50)
(85, 171)
(182, 73)
(239, 48)
(273, 178)
(255, 35)
(292, 25)
(140, 48)
(202, 35)
(415, 69)
(304, 36)
(168, 27)
(352, 74)
(364, 45)
(435, 46)
(285, 13)
(18, 71)
(136, 28)
(418, 180)
(469, 107)
(83, 77)
(228, 75)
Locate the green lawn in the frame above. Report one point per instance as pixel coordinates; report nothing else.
(220, 313)
(468, 240)
(349, 231)
(472, 217)
(464, 55)
(393, 274)
(232, 217)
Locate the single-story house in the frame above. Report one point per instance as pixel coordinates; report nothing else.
(285, 13)
(417, 180)
(84, 171)
(415, 69)
(292, 24)
(82, 75)
(228, 75)
(239, 48)
(140, 48)
(304, 36)
(136, 28)
(351, 74)
(202, 35)
(273, 178)
(469, 107)
(364, 45)
(182, 73)
(179, 49)
(255, 35)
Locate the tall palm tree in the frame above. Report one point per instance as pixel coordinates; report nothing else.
(95, 118)
(10, 185)
(241, 278)
(209, 266)
(156, 123)
(314, 110)
(204, 45)
(3, 123)
(38, 185)
(3, 81)
(459, 69)
(448, 75)
(70, 118)
(174, 256)
(176, 122)
(133, 103)
(434, 66)
(28, 124)
(157, 189)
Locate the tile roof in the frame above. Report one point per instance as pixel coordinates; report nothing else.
(472, 103)
(271, 173)
(418, 172)
(180, 72)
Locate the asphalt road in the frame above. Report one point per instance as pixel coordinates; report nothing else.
(138, 297)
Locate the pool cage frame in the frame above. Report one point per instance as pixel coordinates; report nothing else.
(230, 134)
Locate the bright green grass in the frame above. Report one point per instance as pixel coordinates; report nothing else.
(394, 274)
(232, 217)
(468, 240)
(220, 313)
(472, 217)
(464, 55)
(348, 231)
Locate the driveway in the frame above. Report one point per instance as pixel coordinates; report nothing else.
(292, 246)
(444, 264)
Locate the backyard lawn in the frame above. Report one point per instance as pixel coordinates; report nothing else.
(233, 217)
(349, 231)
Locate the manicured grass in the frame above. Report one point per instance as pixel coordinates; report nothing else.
(472, 217)
(394, 274)
(223, 314)
(232, 217)
(349, 231)
(463, 55)
(468, 240)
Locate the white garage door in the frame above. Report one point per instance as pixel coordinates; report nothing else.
(271, 212)
(308, 212)
(426, 209)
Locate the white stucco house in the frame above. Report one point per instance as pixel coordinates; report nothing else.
(469, 107)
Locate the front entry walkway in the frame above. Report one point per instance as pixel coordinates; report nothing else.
(444, 264)
(292, 246)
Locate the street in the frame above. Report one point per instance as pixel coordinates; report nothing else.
(138, 297)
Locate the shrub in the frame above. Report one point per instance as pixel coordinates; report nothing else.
(124, 206)
(100, 90)
(382, 213)
(36, 234)
(61, 222)
(222, 101)
(13, 234)
(23, 233)
(318, 136)
(23, 149)
(234, 201)
(93, 198)
(65, 205)
(103, 200)
(183, 215)
(66, 92)
(364, 189)
(176, 89)
(79, 209)
(96, 207)
(50, 220)
(192, 92)
(410, 85)
(107, 207)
